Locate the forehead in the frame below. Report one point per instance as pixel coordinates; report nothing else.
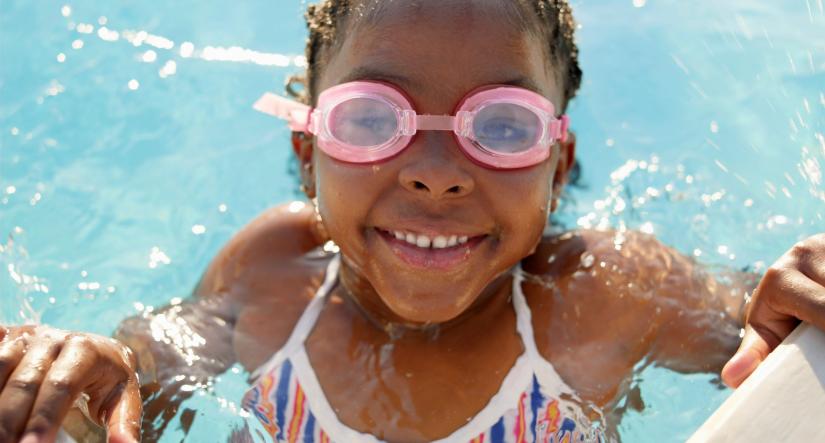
(438, 50)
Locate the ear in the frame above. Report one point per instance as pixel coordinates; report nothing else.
(303, 148)
(567, 159)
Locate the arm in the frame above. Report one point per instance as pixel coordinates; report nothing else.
(653, 303)
(176, 336)
(702, 330)
(194, 337)
(615, 299)
(702, 315)
(44, 370)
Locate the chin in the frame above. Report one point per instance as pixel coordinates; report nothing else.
(429, 307)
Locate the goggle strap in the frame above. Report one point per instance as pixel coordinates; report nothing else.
(565, 125)
(559, 127)
(296, 114)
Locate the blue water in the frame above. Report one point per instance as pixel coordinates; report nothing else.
(128, 159)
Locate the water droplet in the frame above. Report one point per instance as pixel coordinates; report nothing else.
(149, 56)
(85, 28)
(296, 206)
(187, 49)
(169, 68)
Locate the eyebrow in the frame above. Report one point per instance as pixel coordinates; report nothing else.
(371, 73)
(522, 82)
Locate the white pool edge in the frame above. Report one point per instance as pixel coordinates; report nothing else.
(783, 400)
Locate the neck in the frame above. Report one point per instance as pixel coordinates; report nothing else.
(361, 295)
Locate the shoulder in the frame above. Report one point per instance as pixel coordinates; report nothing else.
(631, 253)
(265, 278)
(279, 232)
(270, 244)
(596, 297)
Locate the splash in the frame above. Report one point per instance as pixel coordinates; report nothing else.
(26, 287)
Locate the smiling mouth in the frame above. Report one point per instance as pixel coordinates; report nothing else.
(442, 252)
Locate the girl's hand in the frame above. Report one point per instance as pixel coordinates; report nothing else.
(44, 370)
(793, 289)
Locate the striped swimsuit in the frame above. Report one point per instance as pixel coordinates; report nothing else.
(287, 397)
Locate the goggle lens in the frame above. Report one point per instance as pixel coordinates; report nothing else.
(363, 122)
(506, 128)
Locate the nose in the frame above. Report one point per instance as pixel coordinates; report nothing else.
(435, 171)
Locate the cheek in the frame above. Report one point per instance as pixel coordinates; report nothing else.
(526, 194)
(345, 194)
(336, 184)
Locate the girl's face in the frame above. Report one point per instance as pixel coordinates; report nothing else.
(436, 51)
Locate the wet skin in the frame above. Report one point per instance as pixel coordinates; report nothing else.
(590, 322)
(405, 352)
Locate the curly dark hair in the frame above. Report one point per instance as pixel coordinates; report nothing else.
(552, 20)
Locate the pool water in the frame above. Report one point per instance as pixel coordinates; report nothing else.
(129, 154)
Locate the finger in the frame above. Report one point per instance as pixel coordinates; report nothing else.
(123, 423)
(67, 378)
(792, 296)
(21, 388)
(780, 300)
(752, 351)
(812, 264)
(11, 352)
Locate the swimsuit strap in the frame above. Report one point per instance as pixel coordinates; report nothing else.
(544, 370)
(524, 317)
(306, 322)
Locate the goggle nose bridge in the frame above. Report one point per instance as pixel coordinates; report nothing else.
(411, 122)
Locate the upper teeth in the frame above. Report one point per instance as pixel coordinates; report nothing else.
(423, 241)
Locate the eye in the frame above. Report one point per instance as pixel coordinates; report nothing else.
(506, 127)
(502, 130)
(377, 123)
(363, 122)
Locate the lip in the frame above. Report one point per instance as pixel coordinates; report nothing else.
(431, 258)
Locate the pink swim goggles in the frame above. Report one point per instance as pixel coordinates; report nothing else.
(500, 127)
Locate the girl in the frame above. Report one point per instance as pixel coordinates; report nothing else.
(418, 298)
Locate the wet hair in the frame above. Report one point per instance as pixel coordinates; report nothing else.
(551, 20)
